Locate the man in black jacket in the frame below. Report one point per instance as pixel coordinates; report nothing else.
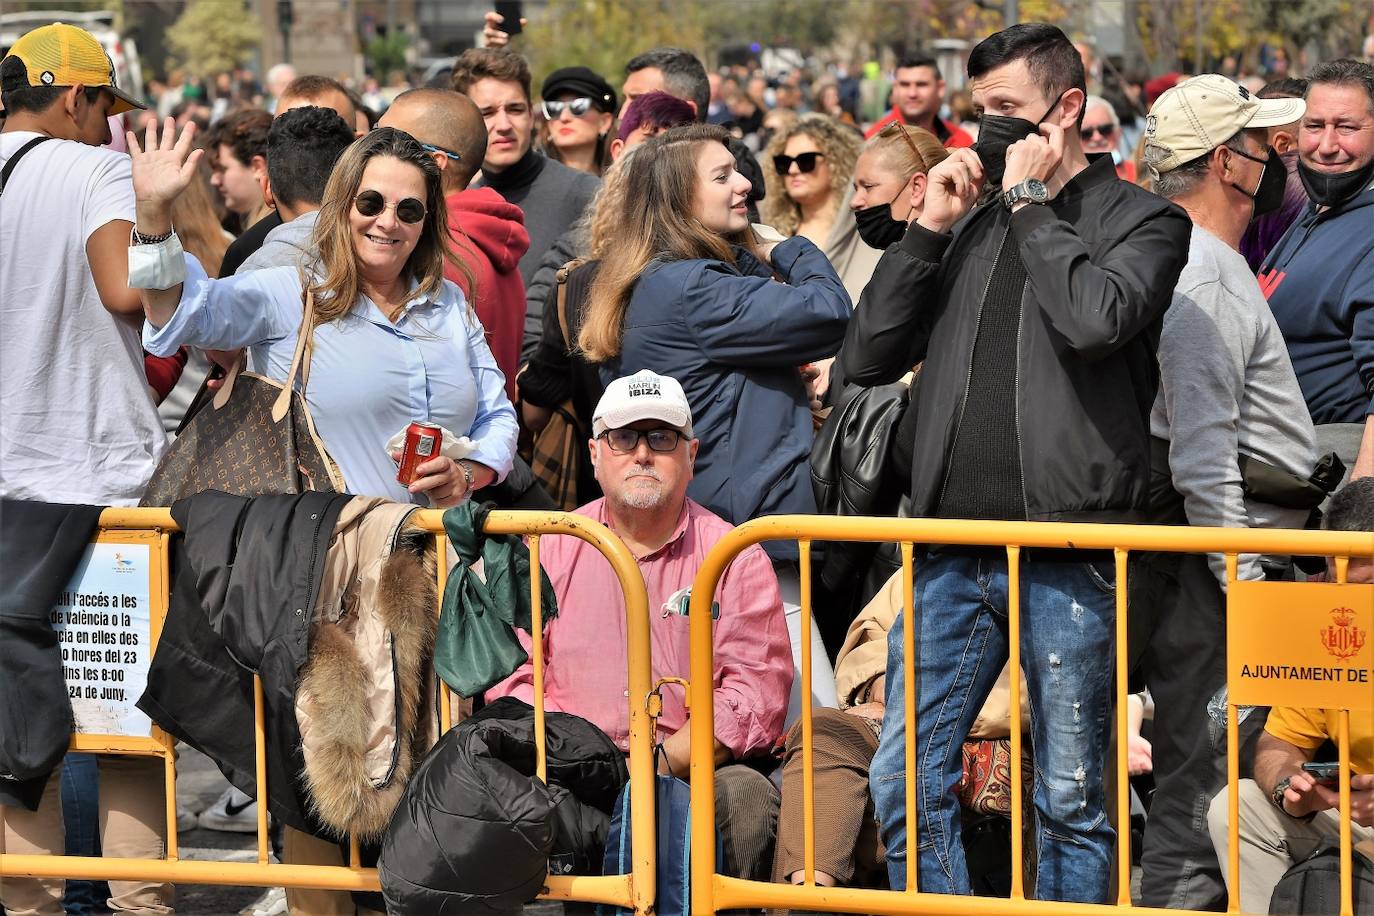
(1037, 321)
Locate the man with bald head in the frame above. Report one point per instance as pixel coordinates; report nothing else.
(488, 232)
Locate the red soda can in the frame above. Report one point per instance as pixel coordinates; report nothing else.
(422, 443)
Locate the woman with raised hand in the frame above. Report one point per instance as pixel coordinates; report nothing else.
(394, 341)
(692, 295)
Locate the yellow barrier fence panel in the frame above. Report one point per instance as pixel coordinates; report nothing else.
(146, 533)
(1338, 617)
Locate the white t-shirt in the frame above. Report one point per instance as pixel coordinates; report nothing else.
(77, 419)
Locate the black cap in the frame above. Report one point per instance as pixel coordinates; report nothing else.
(583, 81)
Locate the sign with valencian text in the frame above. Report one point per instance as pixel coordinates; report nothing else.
(1305, 644)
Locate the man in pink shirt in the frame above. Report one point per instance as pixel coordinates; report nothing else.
(642, 452)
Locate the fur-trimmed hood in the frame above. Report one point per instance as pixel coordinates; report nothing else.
(364, 700)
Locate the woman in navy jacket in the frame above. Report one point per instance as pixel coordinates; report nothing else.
(693, 295)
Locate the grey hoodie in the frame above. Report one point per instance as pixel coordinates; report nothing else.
(284, 245)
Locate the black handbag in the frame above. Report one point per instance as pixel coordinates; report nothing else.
(255, 438)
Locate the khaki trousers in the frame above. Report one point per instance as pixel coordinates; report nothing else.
(1270, 842)
(133, 824)
(299, 848)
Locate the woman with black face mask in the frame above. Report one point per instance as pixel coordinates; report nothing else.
(890, 182)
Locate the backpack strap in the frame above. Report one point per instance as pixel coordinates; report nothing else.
(14, 160)
(562, 303)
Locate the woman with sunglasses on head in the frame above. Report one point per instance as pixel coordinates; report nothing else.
(393, 341)
(890, 182)
(579, 111)
(691, 294)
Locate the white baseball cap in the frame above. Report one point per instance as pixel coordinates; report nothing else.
(645, 395)
(1200, 114)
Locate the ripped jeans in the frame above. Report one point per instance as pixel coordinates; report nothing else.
(1068, 613)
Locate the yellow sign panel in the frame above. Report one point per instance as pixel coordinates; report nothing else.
(1300, 644)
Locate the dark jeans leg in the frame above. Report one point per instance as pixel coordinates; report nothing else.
(1185, 665)
(81, 820)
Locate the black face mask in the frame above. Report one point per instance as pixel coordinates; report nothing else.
(877, 228)
(1334, 190)
(996, 133)
(1268, 194)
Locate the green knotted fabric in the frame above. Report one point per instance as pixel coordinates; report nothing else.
(476, 646)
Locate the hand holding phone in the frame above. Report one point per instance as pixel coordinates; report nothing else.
(509, 11)
(1326, 774)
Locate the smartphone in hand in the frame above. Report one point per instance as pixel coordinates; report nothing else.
(509, 11)
(1326, 774)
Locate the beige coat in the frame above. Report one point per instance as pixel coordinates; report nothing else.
(863, 657)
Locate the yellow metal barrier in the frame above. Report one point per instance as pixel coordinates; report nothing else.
(633, 891)
(712, 892)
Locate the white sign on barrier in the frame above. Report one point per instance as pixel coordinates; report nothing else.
(102, 627)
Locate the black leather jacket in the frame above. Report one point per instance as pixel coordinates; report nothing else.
(1102, 260)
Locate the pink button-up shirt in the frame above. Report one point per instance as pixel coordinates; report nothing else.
(584, 646)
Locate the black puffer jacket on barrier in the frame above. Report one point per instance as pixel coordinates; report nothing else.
(477, 832)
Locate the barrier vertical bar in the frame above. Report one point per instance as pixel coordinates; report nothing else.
(909, 624)
(441, 575)
(1232, 772)
(1123, 741)
(157, 611)
(260, 765)
(808, 778)
(537, 656)
(1018, 890)
(702, 780)
(355, 859)
(1347, 853)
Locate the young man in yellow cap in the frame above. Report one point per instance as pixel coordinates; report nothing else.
(77, 422)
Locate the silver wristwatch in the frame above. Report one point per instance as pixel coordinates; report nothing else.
(1032, 191)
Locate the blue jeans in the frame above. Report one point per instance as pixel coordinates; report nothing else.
(1068, 613)
(81, 823)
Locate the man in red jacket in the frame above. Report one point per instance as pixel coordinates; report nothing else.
(918, 91)
(488, 232)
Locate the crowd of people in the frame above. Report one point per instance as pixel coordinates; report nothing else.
(672, 306)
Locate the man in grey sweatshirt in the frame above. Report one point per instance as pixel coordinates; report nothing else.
(1227, 393)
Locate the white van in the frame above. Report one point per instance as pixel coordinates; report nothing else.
(122, 51)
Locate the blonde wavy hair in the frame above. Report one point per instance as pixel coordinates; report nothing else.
(908, 150)
(648, 216)
(840, 146)
(336, 286)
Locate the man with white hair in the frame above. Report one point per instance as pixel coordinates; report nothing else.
(278, 78)
(643, 449)
(1101, 133)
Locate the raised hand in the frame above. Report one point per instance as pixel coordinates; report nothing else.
(493, 36)
(952, 188)
(162, 169)
(1037, 156)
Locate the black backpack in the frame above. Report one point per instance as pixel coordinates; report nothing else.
(1312, 887)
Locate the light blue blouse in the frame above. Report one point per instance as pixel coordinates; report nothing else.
(369, 378)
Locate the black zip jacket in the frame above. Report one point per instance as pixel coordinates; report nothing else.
(246, 574)
(1101, 260)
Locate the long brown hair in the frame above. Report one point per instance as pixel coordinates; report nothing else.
(193, 213)
(657, 223)
(840, 146)
(336, 287)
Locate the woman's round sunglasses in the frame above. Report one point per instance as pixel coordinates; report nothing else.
(806, 162)
(578, 106)
(371, 203)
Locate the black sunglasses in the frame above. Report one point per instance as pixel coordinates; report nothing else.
(1106, 130)
(627, 440)
(579, 106)
(371, 203)
(806, 162)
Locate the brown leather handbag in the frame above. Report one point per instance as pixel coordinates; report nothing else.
(254, 438)
(560, 447)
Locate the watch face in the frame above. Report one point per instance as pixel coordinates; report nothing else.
(1036, 190)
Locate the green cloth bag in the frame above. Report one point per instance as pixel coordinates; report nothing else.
(476, 646)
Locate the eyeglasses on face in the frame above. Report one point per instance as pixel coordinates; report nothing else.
(627, 440)
(430, 148)
(1088, 130)
(578, 106)
(371, 203)
(806, 162)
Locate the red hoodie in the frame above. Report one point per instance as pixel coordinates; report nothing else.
(489, 235)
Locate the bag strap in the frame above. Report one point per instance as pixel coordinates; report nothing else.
(227, 387)
(14, 160)
(300, 361)
(562, 303)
